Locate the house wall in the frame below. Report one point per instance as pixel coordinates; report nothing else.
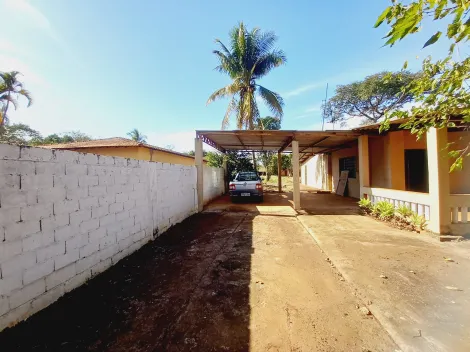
(459, 179)
(314, 172)
(140, 153)
(213, 179)
(353, 183)
(66, 216)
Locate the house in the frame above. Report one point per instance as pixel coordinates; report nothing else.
(395, 167)
(126, 148)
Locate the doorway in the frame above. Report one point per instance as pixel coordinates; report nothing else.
(416, 170)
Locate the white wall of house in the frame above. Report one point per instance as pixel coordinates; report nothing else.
(459, 180)
(314, 172)
(213, 183)
(66, 216)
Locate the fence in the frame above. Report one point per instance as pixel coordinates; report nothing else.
(66, 216)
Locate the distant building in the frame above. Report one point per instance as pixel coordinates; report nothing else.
(126, 148)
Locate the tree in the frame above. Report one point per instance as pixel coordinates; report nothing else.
(10, 90)
(251, 56)
(442, 91)
(286, 163)
(268, 123)
(214, 159)
(238, 161)
(137, 136)
(67, 137)
(19, 134)
(371, 98)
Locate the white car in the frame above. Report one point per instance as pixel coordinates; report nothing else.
(246, 185)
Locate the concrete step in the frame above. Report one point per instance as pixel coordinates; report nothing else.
(450, 238)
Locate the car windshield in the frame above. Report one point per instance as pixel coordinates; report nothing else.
(247, 176)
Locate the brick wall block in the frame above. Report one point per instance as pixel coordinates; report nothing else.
(21, 230)
(66, 259)
(107, 241)
(87, 159)
(49, 168)
(15, 167)
(65, 232)
(8, 151)
(9, 215)
(98, 212)
(116, 207)
(55, 194)
(76, 218)
(17, 198)
(122, 197)
(38, 271)
(53, 250)
(54, 222)
(37, 181)
(60, 276)
(66, 181)
(10, 181)
(89, 225)
(125, 243)
(107, 220)
(122, 234)
(78, 193)
(107, 199)
(97, 191)
(27, 293)
(10, 249)
(35, 154)
(4, 305)
(105, 160)
(138, 236)
(87, 203)
(118, 256)
(10, 283)
(130, 204)
(77, 241)
(122, 215)
(89, 249)
(87, 262)
(65, 156)
(97, 234)
(66, 206)
(76, 169)
(37, 240)
(87, 180)
(106, 180)
(109, 251)
(36, 211)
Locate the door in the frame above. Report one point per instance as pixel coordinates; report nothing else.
(416, 170)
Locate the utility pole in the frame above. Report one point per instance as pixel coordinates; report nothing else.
(324, 108)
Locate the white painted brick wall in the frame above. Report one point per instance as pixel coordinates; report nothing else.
(67, 216)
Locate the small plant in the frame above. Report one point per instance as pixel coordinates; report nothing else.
(404, 211)
(365, 204)
(418, 221)
(384, 210)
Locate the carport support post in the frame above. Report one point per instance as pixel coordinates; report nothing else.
(295, 166)
(200, 173)
(364, 174)
(279, 172)
(226, 180)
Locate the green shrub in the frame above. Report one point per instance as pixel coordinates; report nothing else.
(404, 211)
(365, 204)
(418, 221)
(384, 210)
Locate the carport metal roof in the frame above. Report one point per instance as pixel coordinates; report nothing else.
(310, 142)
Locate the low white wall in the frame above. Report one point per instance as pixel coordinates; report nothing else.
(67, 216)
(314, 172)
(213, 179)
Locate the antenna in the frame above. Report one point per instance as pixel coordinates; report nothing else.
(324, 108)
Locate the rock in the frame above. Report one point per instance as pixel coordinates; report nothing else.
(383, 276)
(411, 271)
(369, 302)
(453, 288)
(450, 260)
(365, 311)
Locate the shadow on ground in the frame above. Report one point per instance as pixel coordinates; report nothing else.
(187, 290)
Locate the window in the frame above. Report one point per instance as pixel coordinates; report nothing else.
(348, 164)
(247, 176)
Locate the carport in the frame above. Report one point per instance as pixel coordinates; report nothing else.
(302, 144)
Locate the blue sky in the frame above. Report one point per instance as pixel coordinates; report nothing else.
(107, 66)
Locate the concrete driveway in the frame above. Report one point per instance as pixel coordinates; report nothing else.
(229, 279)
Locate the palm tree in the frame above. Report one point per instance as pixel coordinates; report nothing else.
(250, 57)
(137, 136)
(10, 90)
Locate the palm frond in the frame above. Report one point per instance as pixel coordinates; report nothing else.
(232, 108)
(27, 94)
(229, 90)
(272, 100)
(5, 98)
(267, 62)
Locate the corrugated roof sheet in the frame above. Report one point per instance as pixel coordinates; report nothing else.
(110, 142)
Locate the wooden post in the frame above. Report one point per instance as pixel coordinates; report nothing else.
(279, 171)
(226, 180)
(200, 173)
(295, 166)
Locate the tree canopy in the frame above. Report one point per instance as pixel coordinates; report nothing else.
(137, 136)
(10, 90)
(371, 98)
(250, 56)
(442, 91)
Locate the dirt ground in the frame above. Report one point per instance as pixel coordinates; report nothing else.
(239, 278)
